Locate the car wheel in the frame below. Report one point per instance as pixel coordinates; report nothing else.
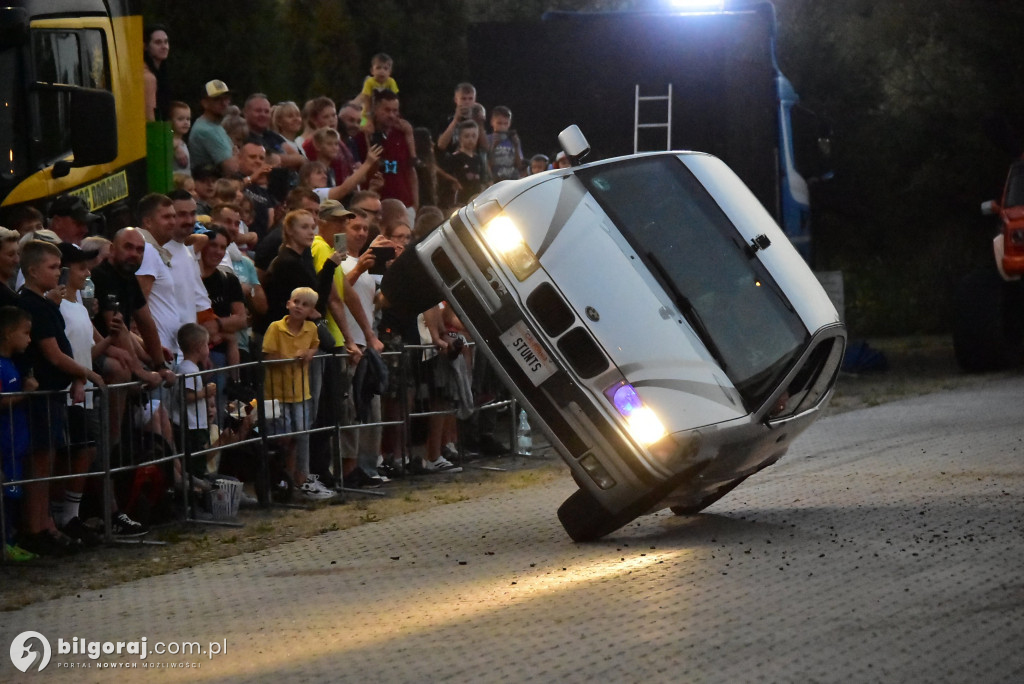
(988, 330)
(708, 499)
(584, 519)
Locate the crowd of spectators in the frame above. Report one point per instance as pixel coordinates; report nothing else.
(271, 247)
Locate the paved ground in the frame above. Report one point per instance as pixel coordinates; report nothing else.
(888, 546)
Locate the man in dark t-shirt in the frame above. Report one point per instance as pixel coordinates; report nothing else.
(118, 292)
(226, 298)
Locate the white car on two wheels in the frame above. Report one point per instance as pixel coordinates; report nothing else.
(652, 318)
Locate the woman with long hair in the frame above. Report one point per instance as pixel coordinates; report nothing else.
(154, 77)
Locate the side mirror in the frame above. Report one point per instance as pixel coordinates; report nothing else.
(93, 123)
(990, 208)
(13, 27)
(574, 144)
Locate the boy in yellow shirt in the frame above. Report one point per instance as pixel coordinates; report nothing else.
(295, 338)
(380, 79)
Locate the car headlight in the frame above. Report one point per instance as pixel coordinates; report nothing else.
(505, 239)
(643, 424)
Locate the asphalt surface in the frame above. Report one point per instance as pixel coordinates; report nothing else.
(888, 546)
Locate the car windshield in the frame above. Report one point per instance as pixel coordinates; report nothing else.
(704, 265)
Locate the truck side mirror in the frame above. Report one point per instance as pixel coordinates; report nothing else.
(93, 123)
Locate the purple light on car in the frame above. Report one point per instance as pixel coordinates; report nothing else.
(626, 401)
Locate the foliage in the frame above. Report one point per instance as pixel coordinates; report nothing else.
(921, 95)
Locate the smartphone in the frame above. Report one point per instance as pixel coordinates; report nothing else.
(378, 138)
(382, 255)
(65, 273)
(110, 303)
(341, 242)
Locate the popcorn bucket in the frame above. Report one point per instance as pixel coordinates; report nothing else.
(225, 498)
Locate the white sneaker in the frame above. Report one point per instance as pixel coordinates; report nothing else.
(441, 465)
(314, 490)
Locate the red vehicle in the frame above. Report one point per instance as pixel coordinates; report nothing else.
(1011, 214)
(989, 329)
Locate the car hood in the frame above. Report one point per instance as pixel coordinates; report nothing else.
(585, 257)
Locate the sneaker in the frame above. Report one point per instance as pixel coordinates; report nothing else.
(388, 472)
(358, 479)
(450, 451)
(13, 552)
(441, 465)
(123, 526)
(76, 529)
(313, 490)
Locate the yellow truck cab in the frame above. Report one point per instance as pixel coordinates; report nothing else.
(72, 117)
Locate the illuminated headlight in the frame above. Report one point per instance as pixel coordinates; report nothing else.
(505, 239)
(642, 423)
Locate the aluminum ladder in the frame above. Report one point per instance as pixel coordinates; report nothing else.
(667, 125)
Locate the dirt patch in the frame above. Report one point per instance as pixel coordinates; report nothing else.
(916, 366)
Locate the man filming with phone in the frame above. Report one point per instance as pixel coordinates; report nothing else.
(329, 251)
(397, 162)
(359, 267)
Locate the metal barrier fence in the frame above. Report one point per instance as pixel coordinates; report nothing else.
(237, 421)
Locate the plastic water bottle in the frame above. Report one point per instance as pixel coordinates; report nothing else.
(524, 440)
(88, 295)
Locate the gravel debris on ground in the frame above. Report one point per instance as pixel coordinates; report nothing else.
(916, 366)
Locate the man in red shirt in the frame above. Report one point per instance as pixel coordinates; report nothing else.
(397, 163)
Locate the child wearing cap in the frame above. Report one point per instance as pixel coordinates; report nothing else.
(83, 418)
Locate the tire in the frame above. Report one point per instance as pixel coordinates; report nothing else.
(988, 327)
(709, 499)
(584, 519)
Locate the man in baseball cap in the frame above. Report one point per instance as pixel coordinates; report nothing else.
(70, 218)
(208, 142)
(216, 88)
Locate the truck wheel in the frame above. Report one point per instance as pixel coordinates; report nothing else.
(584, 519)
(708, 499)
(988, 329)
